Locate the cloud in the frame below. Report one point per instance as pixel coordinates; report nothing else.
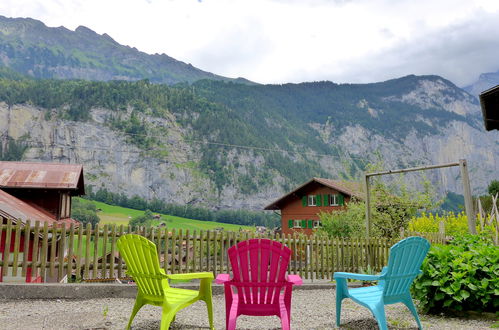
(458, 52)
(277, 41)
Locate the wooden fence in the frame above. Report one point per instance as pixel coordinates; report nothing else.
(86, 253)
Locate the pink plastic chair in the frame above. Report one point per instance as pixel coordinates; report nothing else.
(259, 285)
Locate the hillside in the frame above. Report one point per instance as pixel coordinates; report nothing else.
(30, 47)
(228, 145)
(110, 214)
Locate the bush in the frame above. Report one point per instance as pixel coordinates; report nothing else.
(85, 212)
(455, 224)
(142, 220)
(462, 276)
(344, 223)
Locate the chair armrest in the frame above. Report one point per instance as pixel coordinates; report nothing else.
(190, 276)
(360, 277)
(294, 279)
(222, 278)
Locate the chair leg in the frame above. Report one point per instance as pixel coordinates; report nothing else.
(285, 321)
(379, 314)
(410, 305)
(340, 295)
(167, 318)
(209, 307)
(231, 318)
(138, 305)
(206, 294)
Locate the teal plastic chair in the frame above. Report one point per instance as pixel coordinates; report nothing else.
(142, 263)
(394, 283)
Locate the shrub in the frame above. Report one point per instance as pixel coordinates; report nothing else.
(142, 220)
(85, 212)
(455, 224)
(344, 223)
(461, 276)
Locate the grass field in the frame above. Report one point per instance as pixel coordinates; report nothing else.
(118, 215)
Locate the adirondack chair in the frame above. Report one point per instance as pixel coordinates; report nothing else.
(259, 285)
(142, 263)
(395, 280)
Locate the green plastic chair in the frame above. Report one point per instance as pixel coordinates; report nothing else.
(394, 283)
(142, 263)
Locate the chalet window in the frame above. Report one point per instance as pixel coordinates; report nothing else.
(317, 224)
(65, 206)
(334, 200)
(297, 224)
(312, 200)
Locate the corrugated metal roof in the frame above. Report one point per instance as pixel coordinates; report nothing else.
(347, 188)
(14, 208)
(41, 175)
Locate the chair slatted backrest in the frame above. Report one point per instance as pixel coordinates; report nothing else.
(258, 270)
(142, 264)
(404, 265)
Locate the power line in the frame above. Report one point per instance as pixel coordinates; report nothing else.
(39, 144)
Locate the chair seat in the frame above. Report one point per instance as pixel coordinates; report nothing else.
(367, 295)
(177, 296)
(257, 309)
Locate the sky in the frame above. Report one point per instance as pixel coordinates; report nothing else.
(280, 41)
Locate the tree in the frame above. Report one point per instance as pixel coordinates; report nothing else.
(142, 220)
(85, 212)
(493, 188)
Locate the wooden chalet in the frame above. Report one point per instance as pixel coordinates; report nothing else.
(36, 192)
(300, 208)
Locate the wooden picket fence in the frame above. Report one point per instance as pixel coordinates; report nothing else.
(90, 254)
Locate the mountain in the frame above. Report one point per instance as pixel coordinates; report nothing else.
(229, 145)
(484, 82)
(30, 47)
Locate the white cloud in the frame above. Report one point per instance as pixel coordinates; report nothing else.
(274, 41)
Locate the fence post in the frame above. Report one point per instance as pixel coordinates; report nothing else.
(468, 203)
(441, 230)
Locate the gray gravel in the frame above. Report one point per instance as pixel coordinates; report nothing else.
(312, 309)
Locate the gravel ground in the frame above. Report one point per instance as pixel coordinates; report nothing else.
(312, 309)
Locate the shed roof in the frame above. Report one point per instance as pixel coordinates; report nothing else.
(14, 208)
(42, 175)
(345, 187)
(489, 101)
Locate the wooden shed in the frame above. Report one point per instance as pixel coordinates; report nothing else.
(36, 192)
(47, 186)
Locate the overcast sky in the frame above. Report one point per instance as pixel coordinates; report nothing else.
(278, 41)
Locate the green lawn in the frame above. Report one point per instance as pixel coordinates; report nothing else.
(120, 216)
